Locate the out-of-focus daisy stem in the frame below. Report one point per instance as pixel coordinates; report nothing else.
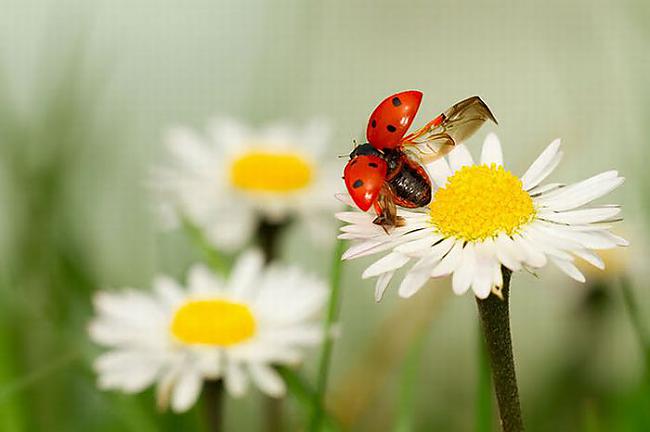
(328, 340)
(495, 323)
(268, 236)
(213, 405)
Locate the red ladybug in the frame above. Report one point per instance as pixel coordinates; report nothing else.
(387, 170)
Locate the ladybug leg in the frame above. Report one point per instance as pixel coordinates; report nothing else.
(386, 210)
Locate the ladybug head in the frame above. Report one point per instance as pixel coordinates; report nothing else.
(365, 150)
(364, 177)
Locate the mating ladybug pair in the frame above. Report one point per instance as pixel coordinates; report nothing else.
(387, 170)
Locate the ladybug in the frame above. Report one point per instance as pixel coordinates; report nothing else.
(387, 171)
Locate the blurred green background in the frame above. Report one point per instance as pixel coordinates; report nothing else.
(87, 89)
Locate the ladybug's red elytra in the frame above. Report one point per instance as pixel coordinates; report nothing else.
(392, 118)
(387, 171)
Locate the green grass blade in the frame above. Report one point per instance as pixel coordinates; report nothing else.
(217, 261)
(637, 325)
(328, 340)
(305, 395)
(404, 421)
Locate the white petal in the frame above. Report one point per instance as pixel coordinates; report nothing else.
(202, 281)
(382, 282)
(127, 370)
(412, 282)
(415, 246)
(267, 380)
(449, 262)
(569, 269)
(491, 152)
(236, 381)
(533, 257)
(498, 276)
(390, 262)
(168, 290)
(586, 239)
(229, 134)
(533, 175)
(460, 157)
(191, 151)
(483, 279)
(620, 241)
(547, 188)
(464, 274)
(483, 282)
(354, 217)
(366, 248)
(507, 252)
(186, 391)
(300, 334)
(581, 193)
(419, 274)
(439, 171)
(545, 244)
(247, 269)
(591, 257)
(582, 216)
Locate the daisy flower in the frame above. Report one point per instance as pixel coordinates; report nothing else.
(234, 330)
(483, 217)
(226, 181)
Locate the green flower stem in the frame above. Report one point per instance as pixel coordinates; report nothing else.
(484, 390)
(213, 405)
(495, 322)
(304, 394)
(328, 340)
(268, 238)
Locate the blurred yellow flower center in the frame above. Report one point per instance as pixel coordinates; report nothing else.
(481, 201)
(261, 171)
(213, 322)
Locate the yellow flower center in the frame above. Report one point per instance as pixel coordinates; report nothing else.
(213, 322)
(261, 171)
(481, 201)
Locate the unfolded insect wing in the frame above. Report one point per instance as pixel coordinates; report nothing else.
(457, 124)
(364, 177)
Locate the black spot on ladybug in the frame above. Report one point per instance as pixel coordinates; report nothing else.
(391, 128)
(357, 183)
(373, 123)
(396, 101)
(373, 165)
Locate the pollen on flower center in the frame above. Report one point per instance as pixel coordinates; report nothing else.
(213, 322)
(481, 201)
(271, 172)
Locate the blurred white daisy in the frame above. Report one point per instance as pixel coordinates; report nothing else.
(234, 330)
(482, 217)
(228, 180)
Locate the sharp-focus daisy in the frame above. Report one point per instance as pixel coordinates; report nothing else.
(236, 329)
(482, 217)
(228, 180)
